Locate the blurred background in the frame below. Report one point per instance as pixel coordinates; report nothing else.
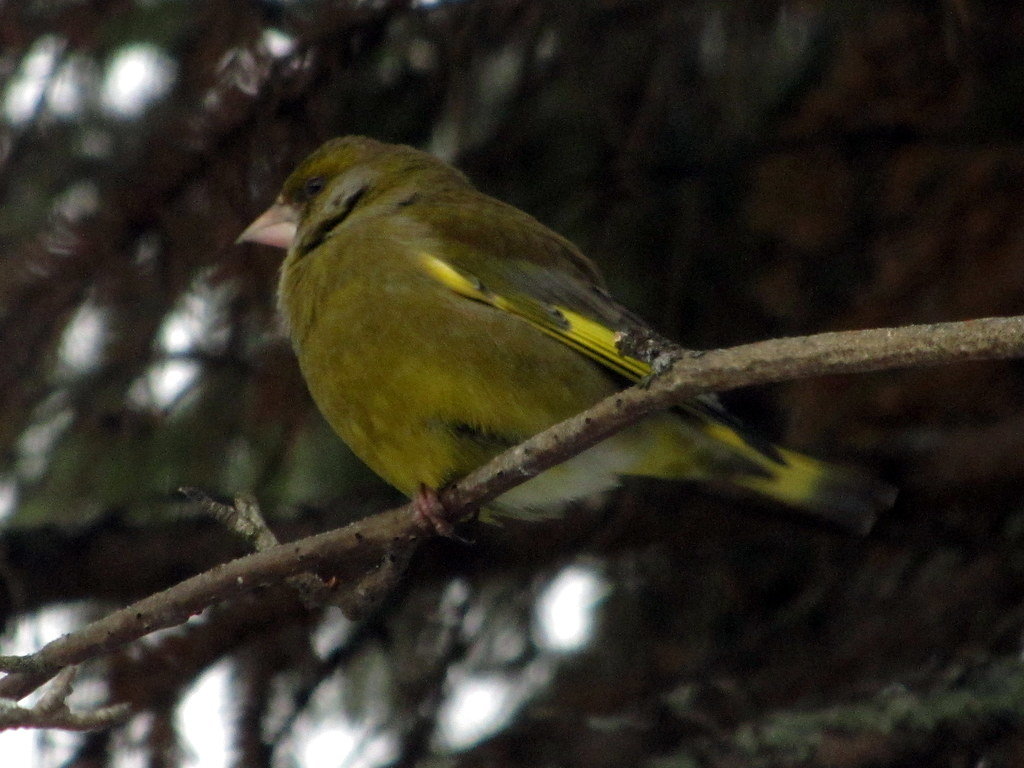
(739, 170)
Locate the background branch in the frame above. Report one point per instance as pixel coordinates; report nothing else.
(52, 710)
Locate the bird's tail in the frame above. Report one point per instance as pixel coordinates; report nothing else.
(841, 496)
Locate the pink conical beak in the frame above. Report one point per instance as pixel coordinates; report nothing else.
(276, 226)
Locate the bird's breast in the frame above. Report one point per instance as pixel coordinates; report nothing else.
(423, 384)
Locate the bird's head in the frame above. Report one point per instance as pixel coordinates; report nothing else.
(342, 176)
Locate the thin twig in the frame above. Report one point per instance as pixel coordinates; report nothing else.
(52, 710)
(245, 518)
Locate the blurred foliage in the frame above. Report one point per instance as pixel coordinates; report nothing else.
(739, 170)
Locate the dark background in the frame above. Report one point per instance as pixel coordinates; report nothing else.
(739, 170)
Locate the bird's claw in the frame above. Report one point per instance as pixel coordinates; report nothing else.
(430, 514)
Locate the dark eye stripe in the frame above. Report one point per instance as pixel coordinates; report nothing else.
(312, 187)
(318, 235)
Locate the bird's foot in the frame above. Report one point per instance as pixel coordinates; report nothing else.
(429, 512)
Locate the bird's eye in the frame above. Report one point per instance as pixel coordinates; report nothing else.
(312, 187)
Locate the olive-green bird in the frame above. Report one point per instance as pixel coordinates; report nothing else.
(437, 326)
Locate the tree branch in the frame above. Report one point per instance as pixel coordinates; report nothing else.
(764, 362)
(363, 547)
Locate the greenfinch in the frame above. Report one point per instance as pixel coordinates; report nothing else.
(437, 326)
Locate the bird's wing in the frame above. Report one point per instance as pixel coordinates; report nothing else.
(556, 315)
(558, 293)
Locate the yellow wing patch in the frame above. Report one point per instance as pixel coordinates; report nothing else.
(590, 337)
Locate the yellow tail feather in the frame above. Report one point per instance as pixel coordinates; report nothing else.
(701, 448)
